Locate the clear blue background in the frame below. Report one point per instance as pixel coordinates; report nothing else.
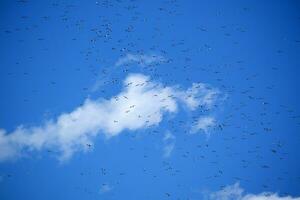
(51, 57)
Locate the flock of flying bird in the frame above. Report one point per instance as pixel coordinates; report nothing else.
(242, 122)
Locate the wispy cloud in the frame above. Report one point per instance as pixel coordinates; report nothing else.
(140, 59)
(169, 144)
(206, 96)
(235, 192)
(142, 103)
(105, 188)
(204, 124)
(168, 149)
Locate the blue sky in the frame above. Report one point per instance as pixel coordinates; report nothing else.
(149, 100)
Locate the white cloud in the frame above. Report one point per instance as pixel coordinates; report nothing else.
(204, 124)
(140, 59)
(235, 192)
(141, 104)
